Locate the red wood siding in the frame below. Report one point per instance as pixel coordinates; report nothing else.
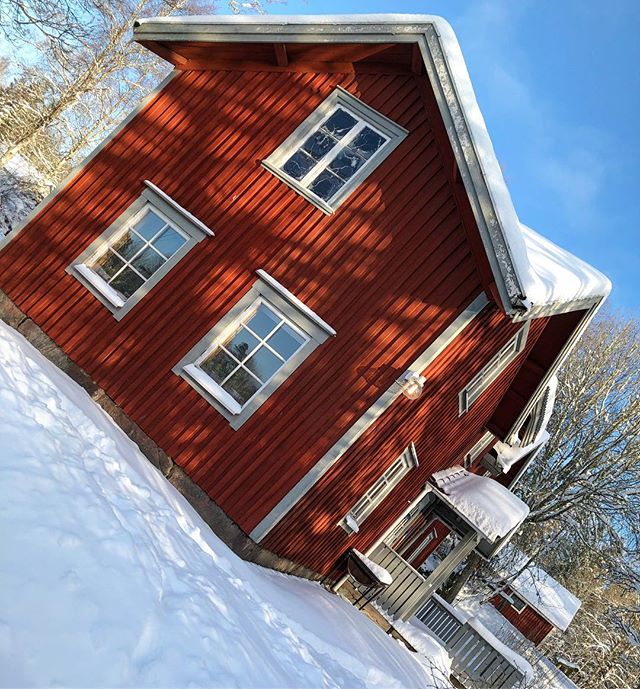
(310, 532)
(529, 622)
(389, 271)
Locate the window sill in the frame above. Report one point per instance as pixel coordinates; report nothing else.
(98, 283)
(204, 381)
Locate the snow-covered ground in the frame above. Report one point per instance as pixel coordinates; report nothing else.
(108, 578)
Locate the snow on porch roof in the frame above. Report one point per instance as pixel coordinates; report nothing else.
(541, 591)
(490, 508)
(533, 275)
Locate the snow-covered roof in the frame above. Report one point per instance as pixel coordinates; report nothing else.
(489, 507)
(533, 275)
(541, 591)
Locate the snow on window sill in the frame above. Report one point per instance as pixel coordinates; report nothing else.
(98, 283)
(207, 383)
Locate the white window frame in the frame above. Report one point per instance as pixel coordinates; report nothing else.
(492, 370)
(366, 116)
(380, 489)
(168, 210)
(473, 454)
(293, 312)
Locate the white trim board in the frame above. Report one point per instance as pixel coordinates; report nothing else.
(306, 483)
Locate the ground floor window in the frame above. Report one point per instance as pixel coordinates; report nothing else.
(253, 349)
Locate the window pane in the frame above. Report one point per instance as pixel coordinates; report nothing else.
(286, 341)
(107, 265)
(169, 242)
(218, 365)
(263, 321)
(367, 142)
(340, 123)
(325, 185)
(298, 165)
(264, 364)
(128, 245)
(318, 144)
(346, 163)
(241, 344)
(148, 262)
(127, 282)
(241, 386)
(149, 225)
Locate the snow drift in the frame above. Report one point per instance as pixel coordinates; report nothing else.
(108, 578)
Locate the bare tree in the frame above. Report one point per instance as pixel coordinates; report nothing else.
(88, 71)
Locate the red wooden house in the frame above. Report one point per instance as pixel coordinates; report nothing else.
(535, 603)
(297, 268)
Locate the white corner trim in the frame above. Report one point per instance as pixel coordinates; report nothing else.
(370, 416)
(103, 287)
(179, 208)
(294, 301)
(204, 381)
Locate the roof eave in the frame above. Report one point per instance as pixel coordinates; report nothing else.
(479, 168)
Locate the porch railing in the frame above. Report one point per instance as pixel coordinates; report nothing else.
(408, 590)
(475, 662)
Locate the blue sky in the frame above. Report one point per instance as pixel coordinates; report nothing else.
(559, 87)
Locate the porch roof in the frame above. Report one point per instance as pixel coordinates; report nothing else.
(487, 506)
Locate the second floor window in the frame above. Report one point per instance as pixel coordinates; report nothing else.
(334, 149)
(494, 367)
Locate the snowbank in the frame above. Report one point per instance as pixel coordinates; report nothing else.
(108, 578)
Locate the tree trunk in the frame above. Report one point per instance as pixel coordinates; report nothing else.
(459, 580)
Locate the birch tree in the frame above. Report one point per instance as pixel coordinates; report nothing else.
(89, 72)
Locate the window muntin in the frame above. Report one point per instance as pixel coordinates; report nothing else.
(380, 489)
(135, 254)
(336, 147)
(252, 351)
(333, 153)
(481, 381)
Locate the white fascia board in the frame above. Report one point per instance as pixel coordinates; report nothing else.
(522, 292)
(294, 301)
(179, 208)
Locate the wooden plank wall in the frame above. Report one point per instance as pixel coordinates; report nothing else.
(529, 621)
(310, 532)
(389, 271)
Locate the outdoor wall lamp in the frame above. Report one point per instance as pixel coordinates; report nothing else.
(411, 384)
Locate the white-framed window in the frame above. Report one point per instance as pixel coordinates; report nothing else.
(250, 353)
(334, 149)
(380, 489)
(253, 349)
(517, 603)
(131, 258)
(137, 250)
(473, 454)
(481, 381)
